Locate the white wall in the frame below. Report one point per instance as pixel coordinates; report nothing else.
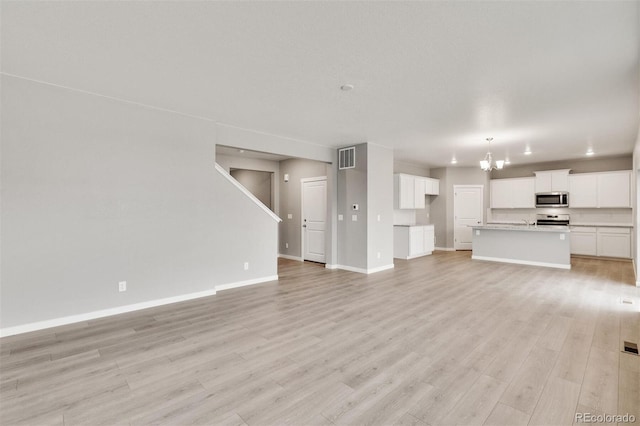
(95, 191)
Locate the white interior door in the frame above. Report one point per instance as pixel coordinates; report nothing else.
(467, 211)
(314, 217)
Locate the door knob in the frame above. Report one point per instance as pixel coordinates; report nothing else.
(304, 226)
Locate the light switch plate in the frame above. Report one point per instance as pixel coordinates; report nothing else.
(354, 217)
(477, 232)
(340, 217)
(289, 216)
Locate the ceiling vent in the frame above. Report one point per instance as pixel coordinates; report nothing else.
(347, 158)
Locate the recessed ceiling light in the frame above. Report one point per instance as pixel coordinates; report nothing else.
(507, 161)
(527, 151)
(346, 87)
(590, 152)
(454, 161)
(241, 151)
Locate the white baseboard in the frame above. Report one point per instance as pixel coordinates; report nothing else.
(247, 282)
(56, 322)
(363, 270)
(288, 256)
(444, 249)
(330, 266)
(522, 262)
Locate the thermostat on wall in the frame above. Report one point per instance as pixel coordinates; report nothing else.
(355, 207)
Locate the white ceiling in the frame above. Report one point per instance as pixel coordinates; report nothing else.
(432, 79)
(247, 153)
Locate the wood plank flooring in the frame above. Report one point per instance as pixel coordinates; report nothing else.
(438, 340)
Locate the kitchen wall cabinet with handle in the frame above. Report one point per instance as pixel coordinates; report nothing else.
(413, 241)
(516, 193)
(600, 190)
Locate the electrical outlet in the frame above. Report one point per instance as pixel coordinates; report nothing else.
(286, 245)
(340, 217)
(379, 218)
(562, 237)
(378, 255)
(354, 217)
(289, 216)
(246, 266)
(122, 286)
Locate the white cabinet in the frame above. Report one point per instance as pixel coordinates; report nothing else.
(416, 240)
(523, 196)
(582, 190)
(404, 191)
(614, 242)
(432, 186)
(429, 239)
(552, 181)
(583, 241)
(413, 241)
(500, 193)
(419, 192)
(600, 190)
(614, 189)
(601, 241)
(409, 191)
(512, 193)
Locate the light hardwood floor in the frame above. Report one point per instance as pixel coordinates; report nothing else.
(438, 340)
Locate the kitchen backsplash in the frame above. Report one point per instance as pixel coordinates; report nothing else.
(404, 217)
(613, 216)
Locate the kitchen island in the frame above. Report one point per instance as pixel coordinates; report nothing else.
(525, 244)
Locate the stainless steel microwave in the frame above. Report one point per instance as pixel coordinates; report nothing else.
(552, 199)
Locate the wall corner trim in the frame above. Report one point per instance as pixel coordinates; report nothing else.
(244, 190)
(56, 322)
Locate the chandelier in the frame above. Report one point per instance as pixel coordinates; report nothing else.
(487, 164)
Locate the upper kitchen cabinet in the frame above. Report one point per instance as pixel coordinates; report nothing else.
(409, 191)
(552, 181)
(419, 192)
(432, 186)
(600, 190)
(614, 189)
(518, 193)
(582, 190)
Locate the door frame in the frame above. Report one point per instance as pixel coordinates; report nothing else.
(302, 182)
(454, 207)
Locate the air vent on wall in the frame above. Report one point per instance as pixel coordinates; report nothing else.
(347, 158)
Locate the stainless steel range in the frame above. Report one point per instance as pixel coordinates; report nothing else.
(552, 219)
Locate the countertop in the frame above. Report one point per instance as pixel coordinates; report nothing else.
(409, 226)
(601, 224)
(523, 227)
